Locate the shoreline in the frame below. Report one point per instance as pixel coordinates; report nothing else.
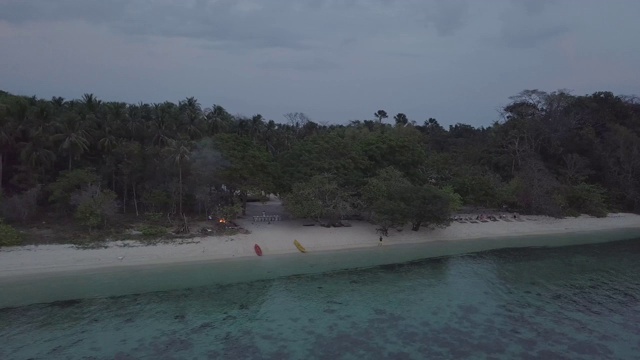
(277, 239)
(52, 273)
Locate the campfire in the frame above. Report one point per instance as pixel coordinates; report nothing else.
(222, 221)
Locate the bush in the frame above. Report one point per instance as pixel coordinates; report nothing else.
(21, 207)
(154, 217)
(153, 231)
(94, 206)
(228, 212)
(69, 182)
(585, 199)
(9, 236)
(157, 200)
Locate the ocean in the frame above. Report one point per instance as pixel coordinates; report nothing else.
(569, 302)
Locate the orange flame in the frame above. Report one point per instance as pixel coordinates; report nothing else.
(222, 221)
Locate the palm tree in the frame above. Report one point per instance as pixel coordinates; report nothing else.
(6, 140)
(179, 153)
(132, 124)
(401, 119)
(58, 102)
(73, 136)
(191, 117)
(107, 135)
(13, 117)
(243, 127)
(162, 125)
(36, 155)
(218, 119)
(256, 126)
(91, 103)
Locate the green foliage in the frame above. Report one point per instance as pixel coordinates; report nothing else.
(154, 217)
(319, 197)
(336, 153)
(428, 205)
(94, 207)
(157, 200)
(394, 201)
(9, 236)
(228, 212)
(585, 199)
(21, 207)
(400, 148)
(384, 196)
(535, 160)
(455, 200)
(476, 186)
(250, 167)
(70, 181)
(153, 231)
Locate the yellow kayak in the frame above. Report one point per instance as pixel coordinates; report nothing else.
(299, 246)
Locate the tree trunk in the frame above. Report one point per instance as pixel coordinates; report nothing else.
(180, 174)
(124, 198)
(1, 161)
(135, 200)
(243, 197)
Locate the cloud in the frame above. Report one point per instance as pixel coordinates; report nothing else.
(419, 57)
(530, 23)
(95, 11)
(289, 24)
(312, 64)
(526, 36)
(447, 15)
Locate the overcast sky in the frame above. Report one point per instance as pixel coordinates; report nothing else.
(455, 60)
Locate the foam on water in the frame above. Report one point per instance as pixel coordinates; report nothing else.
(561, 303)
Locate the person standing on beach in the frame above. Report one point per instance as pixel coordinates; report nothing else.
(380, 243)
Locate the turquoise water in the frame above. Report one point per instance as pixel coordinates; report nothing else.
(574, 302)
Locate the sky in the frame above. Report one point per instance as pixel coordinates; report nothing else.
(458, 61)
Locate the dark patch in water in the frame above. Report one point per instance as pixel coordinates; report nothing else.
(63, 304)
(590, 348)
(400, 355)
(468, 309)
(123, 356)
(380, 312)
(548, 354)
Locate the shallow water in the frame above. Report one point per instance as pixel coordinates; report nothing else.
(528, 303)
(20, 290)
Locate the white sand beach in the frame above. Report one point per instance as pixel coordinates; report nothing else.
(277, 238)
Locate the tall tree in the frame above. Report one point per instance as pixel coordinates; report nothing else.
(401, 119)
(380, 115)
(179, 152)
(73, 136)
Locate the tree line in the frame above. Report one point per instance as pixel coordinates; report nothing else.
(551, 153)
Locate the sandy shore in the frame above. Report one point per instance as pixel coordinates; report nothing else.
(277, 238)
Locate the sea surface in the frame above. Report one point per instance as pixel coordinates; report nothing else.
(572, 302)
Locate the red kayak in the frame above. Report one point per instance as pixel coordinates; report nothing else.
(258, 250)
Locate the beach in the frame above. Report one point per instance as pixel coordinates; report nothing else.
(276, 238)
